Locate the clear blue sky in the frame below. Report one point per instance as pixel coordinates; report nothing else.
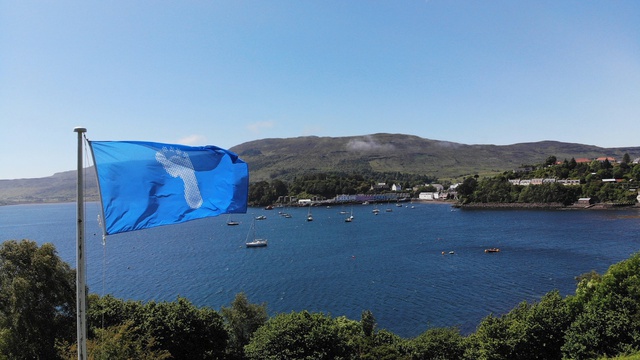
(227, 72)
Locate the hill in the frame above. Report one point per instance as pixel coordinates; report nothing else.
(286, 158)
(60, 187)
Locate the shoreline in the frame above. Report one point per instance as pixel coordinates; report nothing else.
(546, 206)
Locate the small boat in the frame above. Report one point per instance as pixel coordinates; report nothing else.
(350, 218)
(492, 250)
(261, 217)
(231, 222)
(251, 240)
(309, 216)
(257, 243)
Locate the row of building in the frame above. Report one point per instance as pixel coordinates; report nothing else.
(527, 182)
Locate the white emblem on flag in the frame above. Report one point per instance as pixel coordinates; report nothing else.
(177, 164)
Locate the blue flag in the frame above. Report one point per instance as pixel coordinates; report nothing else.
(146, 184)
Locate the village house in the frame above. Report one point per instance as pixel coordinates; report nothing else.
(569, 182)
(429, 196)
(584, 201)
(379, 186)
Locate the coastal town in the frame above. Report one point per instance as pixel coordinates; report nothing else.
(389, 193)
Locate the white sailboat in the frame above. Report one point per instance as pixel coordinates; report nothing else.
(309, 216)
(251, 240)
(350, 218)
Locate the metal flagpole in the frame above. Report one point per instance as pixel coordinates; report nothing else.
(81, 275)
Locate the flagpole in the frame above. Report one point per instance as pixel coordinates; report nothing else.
(81, 263)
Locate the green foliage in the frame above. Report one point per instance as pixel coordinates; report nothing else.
(467, 188)
(385, 345)
(108, 311)
(368, 323)
(185, 331)
(37, 300)
(300, 335)
(498, 189)
(242, 320)
(120, 342)
(178, 328)
(607, 313)
(538, 326)
(329, 184)
(438, 344)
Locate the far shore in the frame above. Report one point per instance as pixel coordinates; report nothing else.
(550, 206)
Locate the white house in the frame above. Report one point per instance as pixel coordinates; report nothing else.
(429, 196)
(396, 187)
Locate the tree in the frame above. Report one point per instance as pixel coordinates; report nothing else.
(301, 335)
(607, 313)
(528, 332)
(467, 187)
(491, 340)
(120, 342)
(37, 300)
(185, 331)
(108, 311)
(551, 160)
(438, 343)
(368, 323)
(242, 319)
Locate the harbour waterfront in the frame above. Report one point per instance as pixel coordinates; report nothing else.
(391, 263)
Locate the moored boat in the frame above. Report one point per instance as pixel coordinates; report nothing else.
(251, 240)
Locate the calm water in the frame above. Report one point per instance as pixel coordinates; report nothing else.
(391, 264)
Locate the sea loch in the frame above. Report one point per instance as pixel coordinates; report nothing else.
(391, 263)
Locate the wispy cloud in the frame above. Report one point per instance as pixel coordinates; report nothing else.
(258, 127)
(193, 140)
(367, 143)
